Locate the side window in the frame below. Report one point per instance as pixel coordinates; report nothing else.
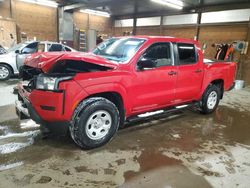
(41, 47)
(56, 48)
(30, 48)
(48, 46)
(187, 53)
(160, 53)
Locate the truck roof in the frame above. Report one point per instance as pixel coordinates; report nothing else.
(174, 39)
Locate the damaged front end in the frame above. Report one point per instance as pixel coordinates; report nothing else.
(36, 64)
(28, 73)
(43, 97)
(65, 66)
(39, 85)
(57, 71)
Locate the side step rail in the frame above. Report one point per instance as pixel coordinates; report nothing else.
(158, 113)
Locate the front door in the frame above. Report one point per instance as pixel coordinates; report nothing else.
(27, 50)
(155, 87)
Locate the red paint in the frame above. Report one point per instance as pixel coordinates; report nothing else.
(141, 91)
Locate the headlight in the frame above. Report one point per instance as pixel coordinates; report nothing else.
(46, 82)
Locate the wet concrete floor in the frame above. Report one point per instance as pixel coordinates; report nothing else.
(182, 150)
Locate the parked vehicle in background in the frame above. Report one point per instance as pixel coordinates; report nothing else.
(2, 50)
(92, 94)
(12, 61)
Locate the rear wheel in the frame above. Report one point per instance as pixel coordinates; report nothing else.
(94, 123)
(5, 72)
(210, 99)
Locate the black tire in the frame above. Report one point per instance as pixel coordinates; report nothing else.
(7, 68)
(83, 113)
(209, 107)
(45, 132)
(20, 70)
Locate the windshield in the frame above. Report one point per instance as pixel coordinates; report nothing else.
(118, 49)
(16, 47)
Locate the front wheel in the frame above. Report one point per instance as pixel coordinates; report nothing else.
(210, 99)
(5, 72)
(94, 123)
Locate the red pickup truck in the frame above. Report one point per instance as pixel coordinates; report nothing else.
(93, 94)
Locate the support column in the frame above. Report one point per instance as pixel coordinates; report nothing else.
(198, 26)
(243, 66)
(65, 27)
(161, 26)
(11, 10)
(199, 11)
(248, 39)
(134, 25)
(134, 18)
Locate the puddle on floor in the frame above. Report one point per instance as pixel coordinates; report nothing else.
(185, 149)
(207, 146)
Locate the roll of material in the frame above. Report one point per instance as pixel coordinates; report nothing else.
(239, 84)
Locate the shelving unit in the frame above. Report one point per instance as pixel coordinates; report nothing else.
(82, 41)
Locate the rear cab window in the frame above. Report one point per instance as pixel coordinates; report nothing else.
(186, 53)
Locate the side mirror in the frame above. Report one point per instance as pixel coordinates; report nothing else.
(17, 51)
(145, 63)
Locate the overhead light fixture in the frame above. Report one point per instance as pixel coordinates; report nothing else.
(177, 4)
(96, 12)
(42, 2)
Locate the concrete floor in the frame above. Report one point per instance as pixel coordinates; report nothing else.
(184, 150)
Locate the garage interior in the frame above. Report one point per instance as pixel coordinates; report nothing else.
(181, 149)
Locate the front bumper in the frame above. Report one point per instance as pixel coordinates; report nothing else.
(24, 106)
(25, 109)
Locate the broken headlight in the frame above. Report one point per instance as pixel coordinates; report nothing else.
(46, 82)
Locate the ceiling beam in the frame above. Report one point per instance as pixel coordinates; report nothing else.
(89, 4)
(186, 10)
(74, 6)
(228, 6)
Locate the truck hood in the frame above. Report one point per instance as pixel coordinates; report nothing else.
(46, 60)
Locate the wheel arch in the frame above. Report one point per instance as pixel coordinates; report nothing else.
(115, 98)
(11, 68)
(217, 82)
(220, 84)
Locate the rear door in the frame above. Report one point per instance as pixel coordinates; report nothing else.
(56, 48)
(189, 71)
(154, 88)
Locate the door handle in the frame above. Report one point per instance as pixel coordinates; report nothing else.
(171, 73)
(198, 71)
